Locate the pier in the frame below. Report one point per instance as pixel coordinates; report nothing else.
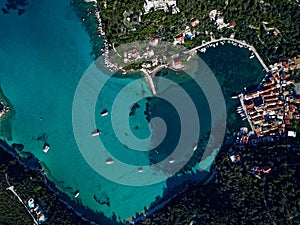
(231, 41)
(149, 81)
(241, 97)
(149, 77)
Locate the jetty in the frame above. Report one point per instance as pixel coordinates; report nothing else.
(149, 81)
(241, 97)
(234, 42)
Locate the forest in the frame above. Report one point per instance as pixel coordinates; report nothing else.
(237, 197)
(271, 26)
(29, 183)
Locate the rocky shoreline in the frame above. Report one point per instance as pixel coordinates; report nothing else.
(34, 165)
(106, 46)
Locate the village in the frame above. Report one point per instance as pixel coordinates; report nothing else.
(272, 110)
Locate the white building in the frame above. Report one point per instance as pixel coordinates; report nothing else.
(160, 4)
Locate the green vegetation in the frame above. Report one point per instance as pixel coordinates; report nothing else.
(272, 27)
(237, 197)
(30, 184)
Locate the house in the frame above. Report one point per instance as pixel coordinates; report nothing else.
(234, 157)
(37, 209)
(195, 22)
(292, 133)
(232, 25)
(154, 42)
(179, 39)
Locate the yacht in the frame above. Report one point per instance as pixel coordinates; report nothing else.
(171, 160)
(96, 132)
(109, 161)
(195, 146)
(76, 194)
(46, 147)
(104, 112)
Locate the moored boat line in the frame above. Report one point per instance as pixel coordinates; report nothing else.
(242, 44)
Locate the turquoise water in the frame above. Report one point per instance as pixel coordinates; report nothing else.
(43, 55)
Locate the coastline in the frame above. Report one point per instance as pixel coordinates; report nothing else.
(201, 48)
(38, 167)
(206, 180)
(5, 119)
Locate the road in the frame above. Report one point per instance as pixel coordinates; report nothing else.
(11, 188)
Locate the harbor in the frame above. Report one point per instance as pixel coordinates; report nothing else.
(272, 106)
(241, 44)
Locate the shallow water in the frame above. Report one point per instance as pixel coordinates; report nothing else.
(43, 55)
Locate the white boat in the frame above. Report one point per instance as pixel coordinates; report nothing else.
(235, 97)
(76, 194)
(96, 132)
(104, 112)
(195, 147)
(140, 169)
(171, 160)
(46, 147)
(109, 161)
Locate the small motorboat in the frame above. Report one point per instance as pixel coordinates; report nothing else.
(195, 147)
(104, 112)
(140, 169)
(76, 194)
(171, 160)
(46, 147)
(109, 161)
(96, 132)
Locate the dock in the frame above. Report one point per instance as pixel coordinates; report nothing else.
(241, 97)
(149, 81)
(231, 41)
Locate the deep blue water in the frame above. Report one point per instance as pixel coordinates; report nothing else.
(43, 55)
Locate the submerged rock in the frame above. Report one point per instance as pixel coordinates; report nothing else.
(18, 147)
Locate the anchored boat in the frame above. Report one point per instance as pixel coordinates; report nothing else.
(46, 147)
(96, 132)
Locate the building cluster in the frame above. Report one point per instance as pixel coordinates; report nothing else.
(274, 104)
(37, 209)
(248, 138)
(218, 19)
(136, 54)
(259, 171)
(166, 5)
(187, 34)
